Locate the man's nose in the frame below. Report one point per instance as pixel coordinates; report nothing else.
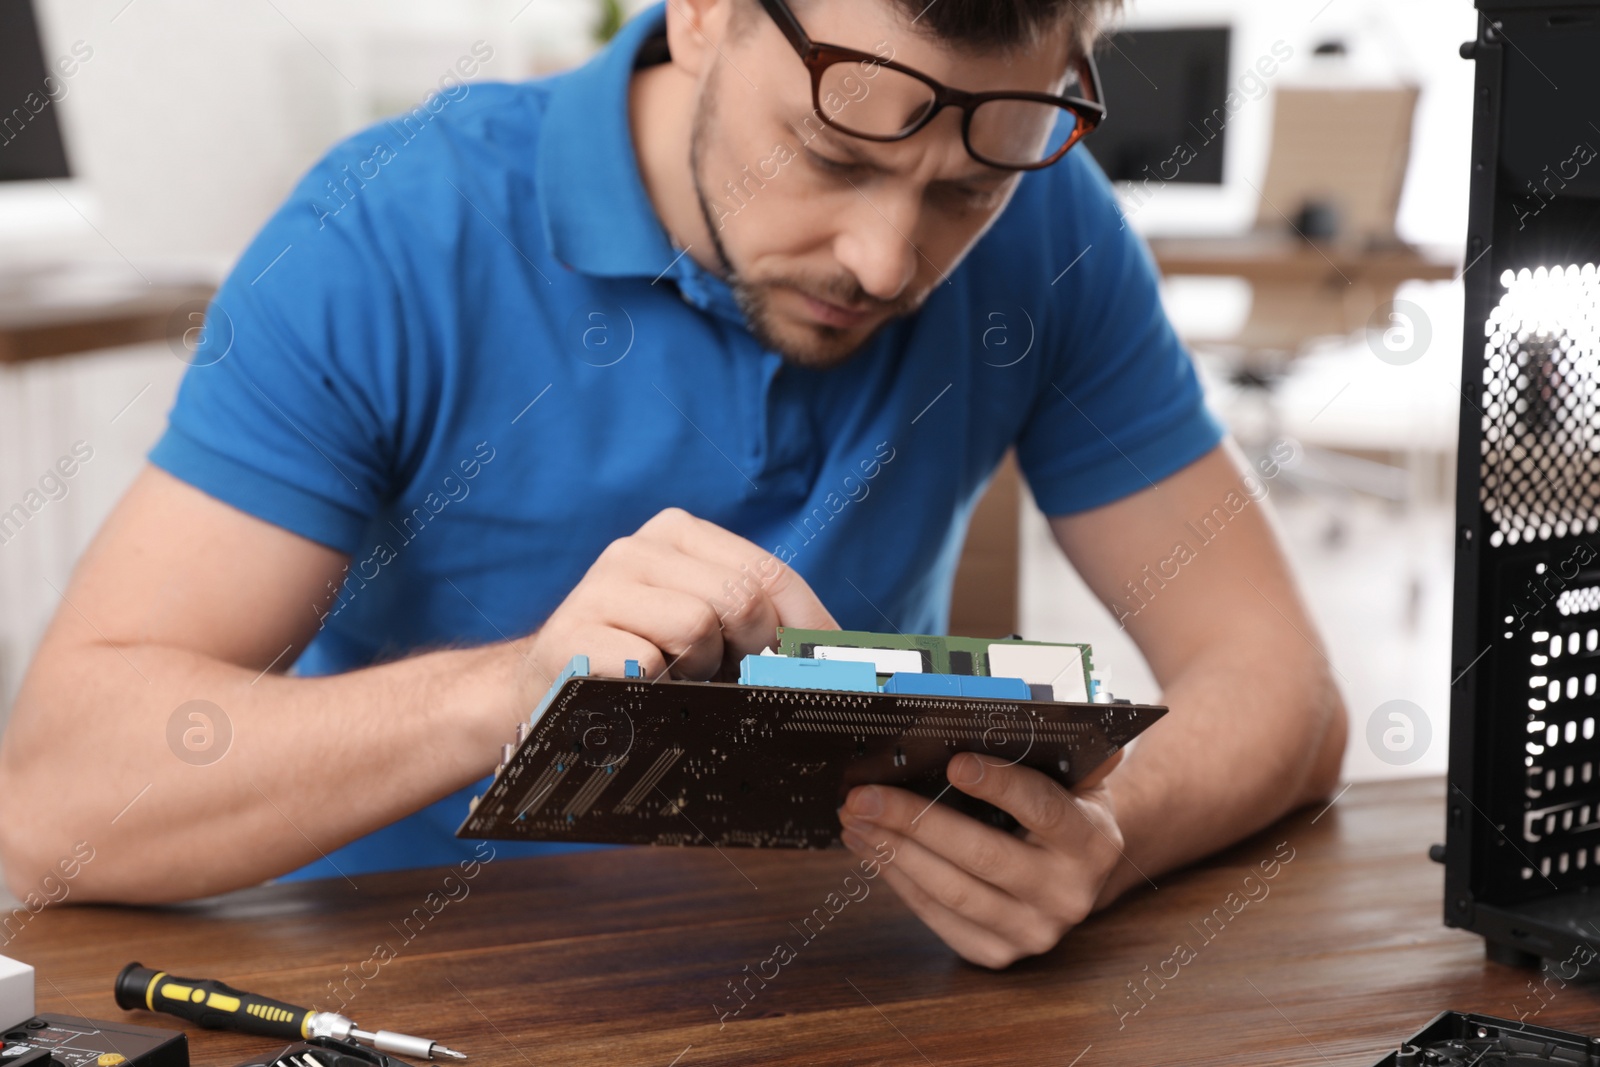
(876, 245)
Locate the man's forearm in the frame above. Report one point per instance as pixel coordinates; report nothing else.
(312, 763)
(1256, 729)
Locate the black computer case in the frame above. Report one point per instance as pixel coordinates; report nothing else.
(1522, 841)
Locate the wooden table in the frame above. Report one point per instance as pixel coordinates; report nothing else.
(1273, 258)
(617, 957)
(29, 331)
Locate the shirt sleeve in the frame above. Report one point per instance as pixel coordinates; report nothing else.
(288, 410)
(1120, 407)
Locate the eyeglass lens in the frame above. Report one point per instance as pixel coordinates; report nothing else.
(880, 102)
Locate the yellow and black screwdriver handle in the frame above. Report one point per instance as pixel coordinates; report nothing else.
(210, 1003)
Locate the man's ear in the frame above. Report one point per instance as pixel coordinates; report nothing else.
(696, 29)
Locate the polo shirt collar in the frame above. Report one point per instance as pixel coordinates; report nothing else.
(598, 218)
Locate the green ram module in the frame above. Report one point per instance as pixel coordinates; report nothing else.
(1066, 668)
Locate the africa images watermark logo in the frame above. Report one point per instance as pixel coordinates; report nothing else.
(199, 732)
(1143, 589)
(737, 194)
(53, 485)
(53, 90)
(601, 335)
(344, 187)
(1008, 337)
(200, 333)
(1399, 732)
(1254, 888)
(853, 889)
(1251, 86)
(1399, 332)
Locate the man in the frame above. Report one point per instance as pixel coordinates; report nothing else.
(643, 362)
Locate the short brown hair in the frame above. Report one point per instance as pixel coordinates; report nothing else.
(1009, 23)
(985, 24)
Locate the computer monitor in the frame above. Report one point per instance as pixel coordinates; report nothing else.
(1165, 90)
(31, 148)
(45, 212)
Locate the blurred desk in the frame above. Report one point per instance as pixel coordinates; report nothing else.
(32, 328)
(1271, 258)
(625, 956)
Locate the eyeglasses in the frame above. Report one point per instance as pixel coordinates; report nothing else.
(876, 99)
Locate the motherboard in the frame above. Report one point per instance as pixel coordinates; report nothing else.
(766, 762)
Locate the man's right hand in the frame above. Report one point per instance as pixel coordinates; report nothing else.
(682, 596)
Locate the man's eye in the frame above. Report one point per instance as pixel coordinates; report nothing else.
(832, 166)
(969, 199)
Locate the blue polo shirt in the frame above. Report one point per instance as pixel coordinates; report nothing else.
(466, 353)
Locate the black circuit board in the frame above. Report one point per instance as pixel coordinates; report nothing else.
(1456, 1039)
(67, 1041)
(625, 761)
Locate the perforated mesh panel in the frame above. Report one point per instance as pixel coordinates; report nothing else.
(1561, 808)
(1578, 601)
(1540, 475)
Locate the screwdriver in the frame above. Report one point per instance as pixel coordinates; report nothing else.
(216, 1006)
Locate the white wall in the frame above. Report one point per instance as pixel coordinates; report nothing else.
(115, 404)
(192, 118)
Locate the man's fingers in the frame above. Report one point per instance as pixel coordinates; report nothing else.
(746, 616)
(975, 900)
(681, 592)
(1036, 801)
(1077, 822)
(757, 569)
(1000, 859)
(682, 626)
(608, 650)
(971, 941)
(797, 605)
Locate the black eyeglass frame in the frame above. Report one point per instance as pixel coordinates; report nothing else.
(819, 57)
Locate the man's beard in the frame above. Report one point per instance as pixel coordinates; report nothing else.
(830, 345)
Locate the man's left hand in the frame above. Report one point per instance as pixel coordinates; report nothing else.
(993, 897)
